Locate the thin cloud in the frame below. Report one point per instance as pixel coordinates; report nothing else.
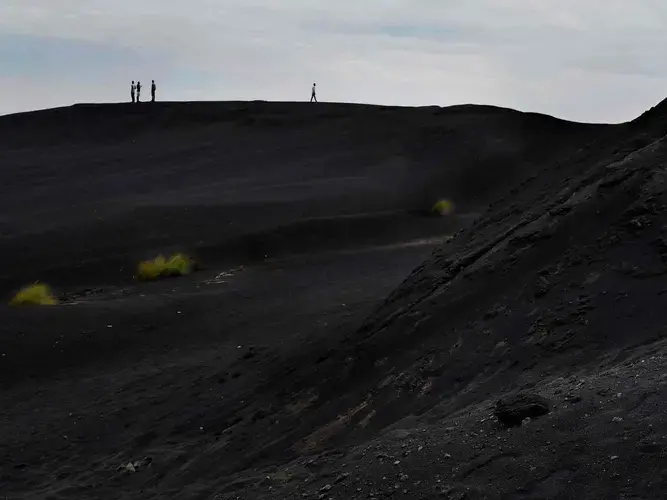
(590, 61)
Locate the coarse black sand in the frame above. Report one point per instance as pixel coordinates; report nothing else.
(338, 340)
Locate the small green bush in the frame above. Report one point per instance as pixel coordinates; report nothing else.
(161, 267)
(37, 294)
(443, 207)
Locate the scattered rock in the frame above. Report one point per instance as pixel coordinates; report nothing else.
(342, 477)
(512, 411)
(542, 287)
(128, 467)
(132, 467)
(250, 353)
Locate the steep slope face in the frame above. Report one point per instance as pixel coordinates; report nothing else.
(563, 237)
(260, 387)
(559, 288)
(91, 187)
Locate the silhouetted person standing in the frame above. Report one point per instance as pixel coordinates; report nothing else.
(313, 96)
(133, 89)
(153, 89)
(138, 91)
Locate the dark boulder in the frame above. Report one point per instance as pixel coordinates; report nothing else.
(512, 411)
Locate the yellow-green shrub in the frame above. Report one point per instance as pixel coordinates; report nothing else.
(161, 267)
(443, 207)
(37, 294)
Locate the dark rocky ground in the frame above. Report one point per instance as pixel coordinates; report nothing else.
(300, 362)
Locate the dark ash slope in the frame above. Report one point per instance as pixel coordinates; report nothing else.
(96, 185)
(293, 376)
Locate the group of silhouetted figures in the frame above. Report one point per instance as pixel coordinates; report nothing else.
(135, 91)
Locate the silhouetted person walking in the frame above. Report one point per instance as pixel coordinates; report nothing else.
(313, 96)
(153, 89)
(133, 89)
(138, 91)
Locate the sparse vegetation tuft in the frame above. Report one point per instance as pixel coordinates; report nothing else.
(162, 267)
(443, 207)
(37, 294)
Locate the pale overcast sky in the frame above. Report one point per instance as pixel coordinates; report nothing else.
(587, 60)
